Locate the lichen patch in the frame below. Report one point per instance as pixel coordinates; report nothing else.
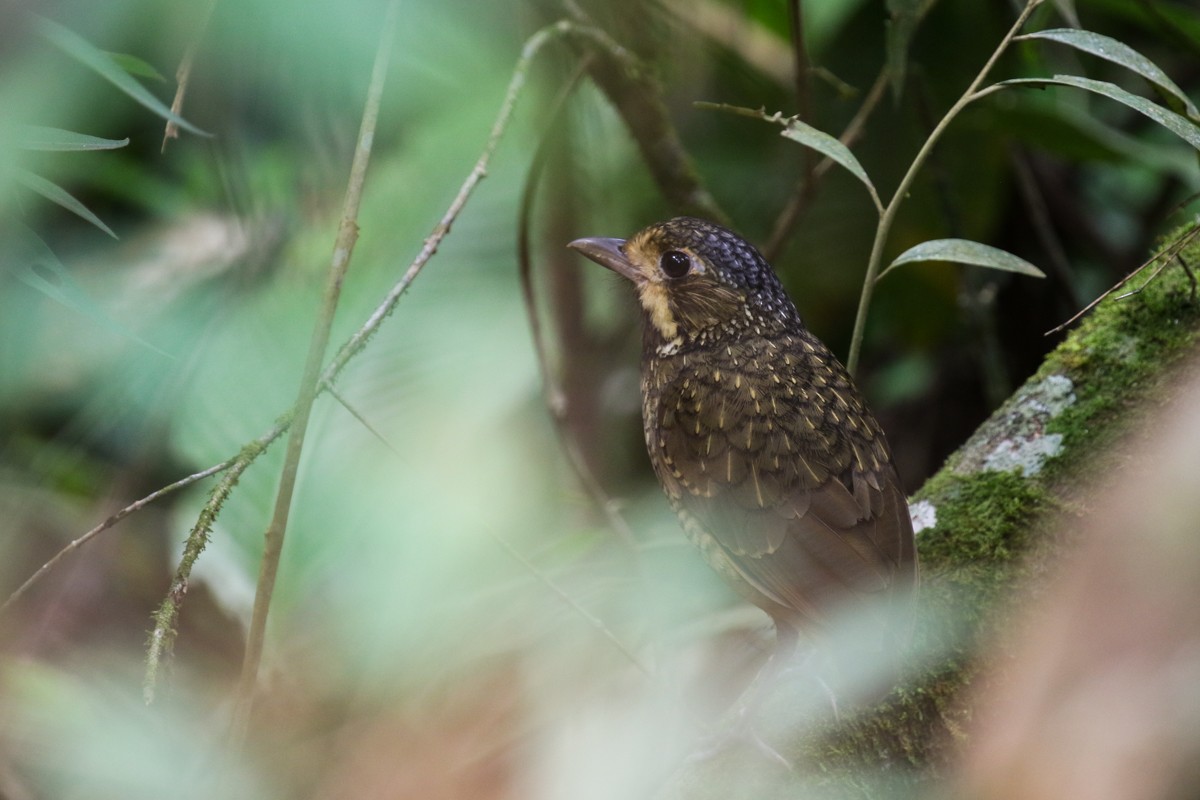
(1016, 438)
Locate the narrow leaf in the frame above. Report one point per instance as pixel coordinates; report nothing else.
(1122, 54)
(136, 67)
(56, 194)
(31, 261)
(829, 146)
(36, 137)
(83, 51)
(1179, 125)
(964, 251)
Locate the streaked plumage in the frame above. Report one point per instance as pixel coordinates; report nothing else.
(778, 471)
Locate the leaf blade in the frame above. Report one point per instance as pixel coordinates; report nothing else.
(1177, 124)
(30, 260)
(1119, 53)
(830, 147)
(100, 62)
(965, 251)
(38, 137)
(60, 196)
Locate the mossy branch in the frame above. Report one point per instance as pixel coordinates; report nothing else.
(161, 640)
(986, 520)
(986, 524)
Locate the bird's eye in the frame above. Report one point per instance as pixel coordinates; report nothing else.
(675, 264)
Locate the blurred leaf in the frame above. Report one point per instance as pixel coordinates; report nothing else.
(1156, 18)
(1176, 124)
(1069, 131)
(827, 145)
(905, 14)
(83, 51)
(93, 736)
(905, 379)
(136, 66)
(1067, 9)
(1122, 54)
(37, 137)
(964, 251)
(56, 194)
(32, 262)
(825, 19)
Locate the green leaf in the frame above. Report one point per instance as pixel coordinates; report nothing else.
(32, 262)
(827, 145)
(1122, 54)
(83, 51)
(136, 66)
(56, 194)
(1179, 125)
(36, 137)
(964, 251)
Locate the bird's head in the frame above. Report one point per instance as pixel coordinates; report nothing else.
(697, 281)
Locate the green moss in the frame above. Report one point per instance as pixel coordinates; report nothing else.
(981, 517)
(992, 527)
(1119, 360)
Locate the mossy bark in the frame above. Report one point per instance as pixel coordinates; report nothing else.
(987, 523)
(994, 507)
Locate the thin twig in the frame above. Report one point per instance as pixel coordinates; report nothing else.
(889, 215)
(555, 396)
(800, 63)
(1187, 270)
(800, 200)
(777, 119)
(310, 386)
(137, 505)
(161, 638)
(354, 412)
(183, 76)
(637, 97)
(478, 173)
(1132, 292)
(1167, 253)
(1039, 217)
(802, 84)
(552, 392)
(165, 618)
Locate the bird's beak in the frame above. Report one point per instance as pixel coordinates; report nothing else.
(608, 253)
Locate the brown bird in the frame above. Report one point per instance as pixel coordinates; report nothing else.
(779, 473)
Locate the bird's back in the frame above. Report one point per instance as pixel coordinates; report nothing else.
(781, 476)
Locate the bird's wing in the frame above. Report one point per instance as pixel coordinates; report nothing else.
(806, 508)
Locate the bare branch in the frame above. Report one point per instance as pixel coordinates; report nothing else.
(137, 505)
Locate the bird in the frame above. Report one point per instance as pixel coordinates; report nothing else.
(778, 471)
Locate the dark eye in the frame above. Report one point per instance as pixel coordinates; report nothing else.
(675, 264)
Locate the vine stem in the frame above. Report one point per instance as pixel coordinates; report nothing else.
(888, 217)
(310, 387)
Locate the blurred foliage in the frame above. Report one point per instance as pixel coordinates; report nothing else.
(401, 620)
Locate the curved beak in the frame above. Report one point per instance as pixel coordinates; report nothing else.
(608, 253)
